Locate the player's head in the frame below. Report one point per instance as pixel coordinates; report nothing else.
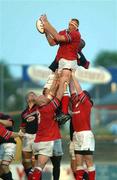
(89, 96)
(42, 100)
(30, 97)
(73, 24)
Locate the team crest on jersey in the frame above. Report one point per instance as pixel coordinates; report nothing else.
(31, 118)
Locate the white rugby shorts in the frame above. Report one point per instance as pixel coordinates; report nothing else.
(84, 140)
(27, 142)
(48, 148)
(64, 63)
(7, 152)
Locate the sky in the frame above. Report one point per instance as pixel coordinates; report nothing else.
(21, 43)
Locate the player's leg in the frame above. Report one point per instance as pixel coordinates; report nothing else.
(78, 140)
(85, 140)
(90, 144)
(9, 150)
(90, 166)
(66, 73)
(79, 166)
(66, 66)
(73, 158)
(41, 162)
(56, 158)
(27, 152)
(43, 151)
(56, 161)
(53, 67)
(27, 161)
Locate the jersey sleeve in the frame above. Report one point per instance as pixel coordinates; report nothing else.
(7, 117)
(82, 97)
(75, 35)
(66, 35)
(4, 133)
(73, 96)
(54, 104)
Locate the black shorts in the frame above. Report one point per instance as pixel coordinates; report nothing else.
(86, 152)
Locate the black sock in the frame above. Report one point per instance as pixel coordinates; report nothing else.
(85, 176)
(7, 176)
(56, 160)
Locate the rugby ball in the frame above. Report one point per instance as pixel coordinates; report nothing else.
(39, 26)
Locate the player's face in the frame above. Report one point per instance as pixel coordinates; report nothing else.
(31, 97)
(42, 100)
(72, 26)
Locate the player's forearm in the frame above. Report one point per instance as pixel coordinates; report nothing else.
(61, 89)
(76, 84)
(55, 84)
(50, 39)
(48, 27)
(51, 30)
(71, 87)
(14, 134)
(6, 123)
(17, 134)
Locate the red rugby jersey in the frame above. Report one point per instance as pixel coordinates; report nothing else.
(48, 129)
(69, 49)
(81, 109)
(4, 133)
(6, 130)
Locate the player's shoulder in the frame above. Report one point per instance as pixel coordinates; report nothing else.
(24, 111)
(75, 33)
(62, 31)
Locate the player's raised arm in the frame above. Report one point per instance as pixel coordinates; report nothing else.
(48, 27)
(76, 84)
(50, 39)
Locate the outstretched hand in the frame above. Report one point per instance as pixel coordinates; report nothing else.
(43, 18)
(21, 134)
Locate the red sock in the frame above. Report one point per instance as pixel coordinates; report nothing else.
(65, 103)
(91, 175)
(79, 174)
(37, 174)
